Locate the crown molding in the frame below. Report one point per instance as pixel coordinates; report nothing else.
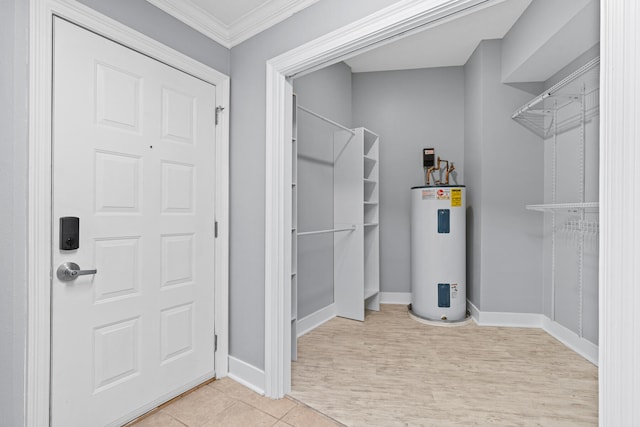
(263, 17)
(197, 18)
(247, 26)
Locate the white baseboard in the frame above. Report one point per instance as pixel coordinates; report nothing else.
(403, 298)
(312, 321)
(475, 313)
(510, 320)
(246, 374)
(584, 348)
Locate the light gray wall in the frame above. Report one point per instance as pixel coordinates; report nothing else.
(327, 92)
(544, 34)
(510, 167)
(409, 110)
(592, 53)
(567, 292)
(155, 23)
(248, 90)
(13, 209)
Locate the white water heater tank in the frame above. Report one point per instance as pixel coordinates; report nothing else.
(438, 253)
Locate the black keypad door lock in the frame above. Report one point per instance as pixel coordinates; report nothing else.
(69, 233)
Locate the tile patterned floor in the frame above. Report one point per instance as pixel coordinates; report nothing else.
(227, 403)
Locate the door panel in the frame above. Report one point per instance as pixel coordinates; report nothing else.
(134, 159)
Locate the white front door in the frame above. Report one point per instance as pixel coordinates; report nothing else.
(133, 160)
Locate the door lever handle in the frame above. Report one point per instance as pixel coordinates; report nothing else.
(68, 271)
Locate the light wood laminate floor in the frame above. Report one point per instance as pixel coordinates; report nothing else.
(393, 371)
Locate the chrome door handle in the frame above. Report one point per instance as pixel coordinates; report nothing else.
(68, 271)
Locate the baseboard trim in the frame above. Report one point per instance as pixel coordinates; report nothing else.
(312, 321)
(583, 347)
(403, 298)
(246, 374)
(570, 339)
(510, 320)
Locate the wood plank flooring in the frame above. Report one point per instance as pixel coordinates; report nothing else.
(393, 371)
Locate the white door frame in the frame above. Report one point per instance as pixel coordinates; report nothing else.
(398, 20)
(619, 233)
(39, 201)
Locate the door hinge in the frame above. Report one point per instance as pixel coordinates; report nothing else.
(219, 109)
(215, 342)
(215, 229)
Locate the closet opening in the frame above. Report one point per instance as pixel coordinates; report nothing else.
(498, 93)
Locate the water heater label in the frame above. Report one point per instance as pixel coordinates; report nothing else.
(456, 197)
(454, 290)
(428, 194)
(443, 194)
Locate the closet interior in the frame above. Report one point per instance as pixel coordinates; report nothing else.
(351, 233)
(519, 117)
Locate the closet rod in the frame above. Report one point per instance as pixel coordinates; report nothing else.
(321, 117)
(333, 230)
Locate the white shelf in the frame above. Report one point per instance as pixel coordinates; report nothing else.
(356, 201)
(368, 293)
(370, 139)
(565, 207)
(581, 86)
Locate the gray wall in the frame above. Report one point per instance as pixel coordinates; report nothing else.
(13, 209)
(248, 90)
(409, 110)
(506, 238)
(327, 92)
(155, 23)
(567, 292)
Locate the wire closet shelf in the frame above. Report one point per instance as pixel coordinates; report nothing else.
(538, 114)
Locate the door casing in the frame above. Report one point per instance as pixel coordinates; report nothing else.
(618, 132)
(40, 185)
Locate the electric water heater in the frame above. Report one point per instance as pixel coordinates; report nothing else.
(438, 252)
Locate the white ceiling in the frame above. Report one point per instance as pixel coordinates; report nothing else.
(449, 43)
(229, 12)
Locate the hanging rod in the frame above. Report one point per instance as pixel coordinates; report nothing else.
(321, 117)
(333, 230)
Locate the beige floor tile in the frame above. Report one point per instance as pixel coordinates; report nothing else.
(199, 407)
(276, 408)
(303, 416)
(159, 419)
(242, 415)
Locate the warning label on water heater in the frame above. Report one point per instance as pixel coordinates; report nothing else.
(428, 194)
(454, 290)
(456, 197)
(443, 194)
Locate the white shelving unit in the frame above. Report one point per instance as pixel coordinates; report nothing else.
(356, 253)
(568, 105)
